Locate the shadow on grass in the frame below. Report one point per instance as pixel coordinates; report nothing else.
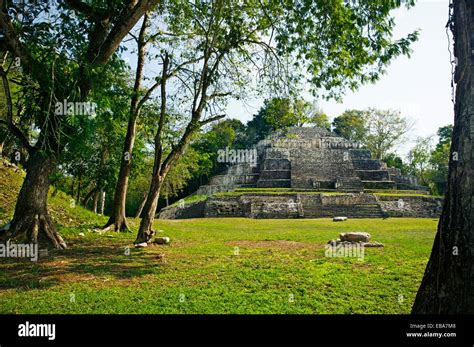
(85, 261)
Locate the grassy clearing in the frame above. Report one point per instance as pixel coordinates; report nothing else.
(232, 265)
(225, 266)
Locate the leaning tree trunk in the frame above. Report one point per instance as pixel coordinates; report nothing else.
(145, 232)
(117, 217)
(95, 201)
(140, 208)
(31, 222)
(448, 282)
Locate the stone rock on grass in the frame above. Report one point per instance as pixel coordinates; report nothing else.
(355, 237)
(162, 240)
(339, 219)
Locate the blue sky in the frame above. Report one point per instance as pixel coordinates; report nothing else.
(420, 86)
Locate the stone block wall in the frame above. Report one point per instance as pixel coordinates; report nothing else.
(192, 210)
(411, 206)
(357, 205)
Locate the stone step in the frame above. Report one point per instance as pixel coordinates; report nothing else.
(373, 175)
(367, 164)
(275, 174)
(246, 185)
(274, 183)
(379, 184)
(351, 211)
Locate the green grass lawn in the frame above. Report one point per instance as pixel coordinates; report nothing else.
(231, 265)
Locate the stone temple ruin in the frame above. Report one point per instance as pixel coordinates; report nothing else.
(310, 173)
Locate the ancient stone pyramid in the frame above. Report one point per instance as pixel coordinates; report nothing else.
(308, 173)
(311, 158)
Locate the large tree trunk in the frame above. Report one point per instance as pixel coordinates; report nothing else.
(448, 282)
(31, 222)
(79, 189)
(96, 200)
(88, 197)
(145, 232)
(140, 208)
(102, 201)
(117, 217)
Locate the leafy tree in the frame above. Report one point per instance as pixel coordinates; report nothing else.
(258, 127)
(445, 135)
(440, 162)
(340, 44)
(139, 96)
(281, 113)
(393, 160)
(209, 51)
(227, 133)
(439, 159)
(310, 114)
(180, 174)
(73, 42)
(351, 125)
(320, 120)
(385, 129)
(419, 160)
(278, 113)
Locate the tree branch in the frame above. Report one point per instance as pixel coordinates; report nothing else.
(12, 41)
(88, 10)
(147, 95)
(9, 122)
(122, 27)
(212, 119)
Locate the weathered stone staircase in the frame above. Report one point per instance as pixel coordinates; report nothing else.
(349, 184)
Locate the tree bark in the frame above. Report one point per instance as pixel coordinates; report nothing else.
(448, 283)
(145, 232)
(96, 199)
(88, 197)
(102, 201)
(79, 188)
(161, 167)
(118, 216)
(140, 208)
(31, 221)
(31, 218)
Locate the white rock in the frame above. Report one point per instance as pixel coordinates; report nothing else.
(355, 237)
(339, 219)
(162, 240)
